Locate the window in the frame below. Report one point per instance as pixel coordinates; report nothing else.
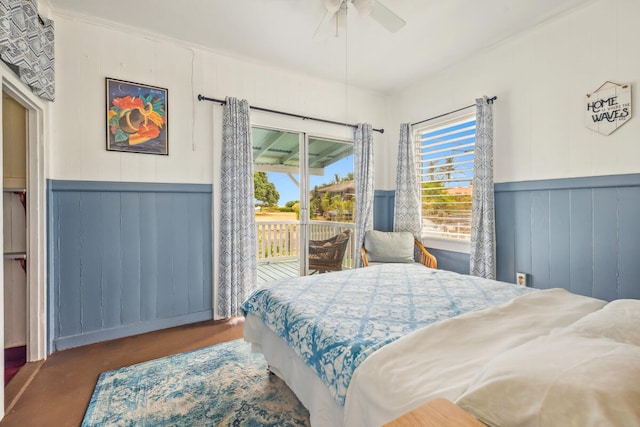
(445, 159)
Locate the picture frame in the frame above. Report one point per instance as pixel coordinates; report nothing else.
(137, 117)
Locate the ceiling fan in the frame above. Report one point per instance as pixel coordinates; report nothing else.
(337, 9)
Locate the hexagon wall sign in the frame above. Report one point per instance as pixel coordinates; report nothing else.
(608, 107)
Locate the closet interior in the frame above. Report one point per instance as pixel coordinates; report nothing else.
(14, 155)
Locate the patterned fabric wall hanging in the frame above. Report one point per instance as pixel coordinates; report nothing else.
(27, 45)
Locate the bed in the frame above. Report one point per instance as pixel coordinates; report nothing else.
(362, 347)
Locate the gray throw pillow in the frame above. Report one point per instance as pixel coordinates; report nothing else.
(384, 246)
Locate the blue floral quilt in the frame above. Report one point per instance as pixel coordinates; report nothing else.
(334, 321)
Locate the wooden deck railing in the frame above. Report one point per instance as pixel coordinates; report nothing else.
(278, 240)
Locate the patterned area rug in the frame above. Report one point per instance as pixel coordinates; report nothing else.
(221, 385)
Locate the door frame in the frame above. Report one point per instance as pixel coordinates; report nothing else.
(305, 229)
(302, 182)
(36, 125)
(305, 191)
(304, 223)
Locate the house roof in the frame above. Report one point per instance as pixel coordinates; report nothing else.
(465, 191)
(341, 187)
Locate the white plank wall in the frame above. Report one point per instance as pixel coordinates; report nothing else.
(541, 78)
(186, 71)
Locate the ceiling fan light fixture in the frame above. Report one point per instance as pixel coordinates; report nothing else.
(364, 7)
(332, 5)
(373, 9)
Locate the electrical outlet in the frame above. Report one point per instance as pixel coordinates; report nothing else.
(521, 279)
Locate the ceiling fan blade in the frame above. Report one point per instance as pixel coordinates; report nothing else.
(327, 26)
(333, 5)
(385, 17)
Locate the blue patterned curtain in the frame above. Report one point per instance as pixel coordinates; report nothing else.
(27, 45)
(363, 165)
(238, 253)
(406, 213)
(483, 234)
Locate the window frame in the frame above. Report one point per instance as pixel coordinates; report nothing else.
(438, 242)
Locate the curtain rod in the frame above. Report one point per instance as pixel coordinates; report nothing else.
(222, 102)
(489, 101)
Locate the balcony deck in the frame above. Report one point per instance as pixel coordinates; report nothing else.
(268, 272)
(278, 247)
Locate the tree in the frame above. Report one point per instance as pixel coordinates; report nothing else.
(432, 169)
(447, 169)
(264, 191)
(443, 208)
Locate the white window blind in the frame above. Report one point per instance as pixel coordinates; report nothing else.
(445, 159)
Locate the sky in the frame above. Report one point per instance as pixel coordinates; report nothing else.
(289, 191)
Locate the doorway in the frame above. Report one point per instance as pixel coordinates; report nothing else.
(34, 216)
(14, 155)
(304, 191)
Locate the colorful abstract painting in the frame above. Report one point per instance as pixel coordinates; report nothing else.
(137, 118)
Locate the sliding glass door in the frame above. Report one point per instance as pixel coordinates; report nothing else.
(304, 191)
(276, 158)
(331, 204)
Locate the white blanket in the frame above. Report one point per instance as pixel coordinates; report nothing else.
(584, 375)
(442, 359)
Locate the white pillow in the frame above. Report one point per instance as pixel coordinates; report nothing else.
(618, 320)
(559, 380)
(384, 246)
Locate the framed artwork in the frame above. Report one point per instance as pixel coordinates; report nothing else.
(137, 118)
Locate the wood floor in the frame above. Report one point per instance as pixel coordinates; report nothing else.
(60, 391)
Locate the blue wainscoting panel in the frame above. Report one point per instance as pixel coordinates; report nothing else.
(605, 242)
(383, 206)
(452, 261)
(126, 258)
(505, 267)
(130, 242)
(580, 242)
(540, 239)
(581, 234)
(559, 236)
(629, 244)
(522, 235)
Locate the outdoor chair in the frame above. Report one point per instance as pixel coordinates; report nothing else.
(391, 247)
(327, 255)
